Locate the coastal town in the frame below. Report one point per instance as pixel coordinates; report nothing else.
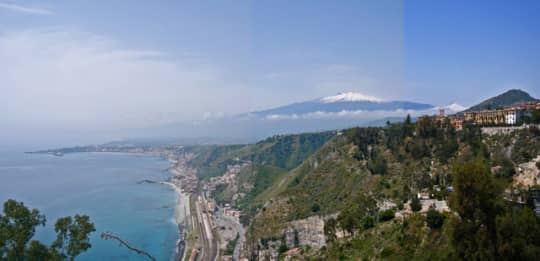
(212, 230)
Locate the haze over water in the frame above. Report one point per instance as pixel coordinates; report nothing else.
(103, 186)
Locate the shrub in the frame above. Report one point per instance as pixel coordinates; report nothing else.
(315, 208)
(538, 164)
(434, 219)
(415, 204)
(386, 215)
(367, 222)
(507, 168)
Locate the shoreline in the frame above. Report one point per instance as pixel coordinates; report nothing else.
(181, 214)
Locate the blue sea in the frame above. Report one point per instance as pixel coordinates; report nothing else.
(105, 187)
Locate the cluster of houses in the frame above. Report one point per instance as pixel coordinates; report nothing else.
(497, 117)
(227, 178)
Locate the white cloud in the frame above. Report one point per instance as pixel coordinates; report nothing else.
(79, 81)
(25, 9)
(364, 114)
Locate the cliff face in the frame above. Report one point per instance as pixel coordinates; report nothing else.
(308, 232)
(305, 232)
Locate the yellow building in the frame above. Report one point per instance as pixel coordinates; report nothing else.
(508, 116)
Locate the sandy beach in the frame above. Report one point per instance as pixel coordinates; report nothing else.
(182, 213)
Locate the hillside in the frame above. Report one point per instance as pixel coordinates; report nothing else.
(370, 166)
(509, 98)
(282, 151)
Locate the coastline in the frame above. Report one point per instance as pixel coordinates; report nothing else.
(182, 213)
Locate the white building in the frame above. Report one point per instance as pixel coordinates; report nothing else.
(511, 118)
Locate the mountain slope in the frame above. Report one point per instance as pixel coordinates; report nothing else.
(348, 102)
(509, 98)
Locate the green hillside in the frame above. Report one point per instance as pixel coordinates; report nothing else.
(393, 163)
(282, 151)
(509, 98)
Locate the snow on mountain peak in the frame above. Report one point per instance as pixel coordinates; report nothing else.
(350, 97)
(454, 107)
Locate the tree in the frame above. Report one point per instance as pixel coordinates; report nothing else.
(416, 205)
(434, 219)
(518, 233)
(72, 236)
(475, 199)
(348, 219)
(18, 225)
(315, 207)
(330, 229)
(408, 127)
(386, 215)
(367, 222)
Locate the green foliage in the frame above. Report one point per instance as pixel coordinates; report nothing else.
(377, 164)
(330, 229)
(507, 168)
(475, 199)
(367, 222)
(17, 227)
(283, 248)
(434, 219)
(363, 138)
(538, 164)
(72, 236)
(287, 151)
(518, 234)
(506, 99)
(351, 216)
(262, 178)
(535, 116)
(315, 207)
(229, 249)
(472, 136)
(416, 205)
(386, 215)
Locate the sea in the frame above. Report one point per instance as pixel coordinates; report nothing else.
(108, 187)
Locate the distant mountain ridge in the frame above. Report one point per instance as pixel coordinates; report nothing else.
(342, 102)
(506, 99)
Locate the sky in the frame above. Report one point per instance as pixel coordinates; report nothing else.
(84, 71)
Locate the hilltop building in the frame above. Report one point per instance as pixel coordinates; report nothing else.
(507, 116)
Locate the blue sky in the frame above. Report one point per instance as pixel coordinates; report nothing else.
(101, 65)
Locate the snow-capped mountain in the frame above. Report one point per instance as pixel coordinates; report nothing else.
(349, 104)
(339, 111)
(350, 97)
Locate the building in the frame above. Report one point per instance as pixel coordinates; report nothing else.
(507, 116)
(457, 121)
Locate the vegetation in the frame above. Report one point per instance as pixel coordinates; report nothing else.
(17, 228)
(344, 179)
(386, 215)
(229, 249)
(488, 229)
(415, 204)
(509, 98)
(434, 219)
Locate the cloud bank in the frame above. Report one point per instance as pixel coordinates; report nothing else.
(66, 80)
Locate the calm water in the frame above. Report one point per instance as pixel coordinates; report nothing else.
(103, 186)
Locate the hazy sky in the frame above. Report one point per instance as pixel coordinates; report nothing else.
(86, 68)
